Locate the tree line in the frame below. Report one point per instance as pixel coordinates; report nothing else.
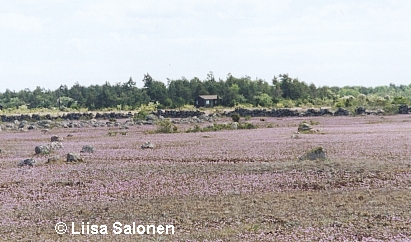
(282, 91)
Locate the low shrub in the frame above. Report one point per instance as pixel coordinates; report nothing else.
(164, 126)
(235, 117)
(247, 126)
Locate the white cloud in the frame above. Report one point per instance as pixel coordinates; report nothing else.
(20, 22)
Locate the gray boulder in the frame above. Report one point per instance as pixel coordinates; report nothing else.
(42, 150)
(56, 138)
(234, 125)
(55, 145)
(148, 145)
(54, 159)
(26, 162)
(74, 157)
(304, 127)
(87, 149)
(317, 153)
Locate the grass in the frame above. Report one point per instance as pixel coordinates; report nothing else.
(244, 185)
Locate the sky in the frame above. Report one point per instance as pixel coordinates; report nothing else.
(49, 43)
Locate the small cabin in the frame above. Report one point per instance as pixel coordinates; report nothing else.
(207, 101)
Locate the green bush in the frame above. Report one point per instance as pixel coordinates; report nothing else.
(235, 117)
(140, 116)
(312, 122)
(247, 126)
(164, 126)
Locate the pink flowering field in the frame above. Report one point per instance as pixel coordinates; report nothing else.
(231, 185)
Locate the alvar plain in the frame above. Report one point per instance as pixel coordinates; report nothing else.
(228, 185)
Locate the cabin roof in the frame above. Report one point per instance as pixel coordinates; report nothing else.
(208, 96)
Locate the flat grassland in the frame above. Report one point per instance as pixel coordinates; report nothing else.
(232, 185)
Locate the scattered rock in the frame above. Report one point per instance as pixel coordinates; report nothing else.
(234, 125)
(27, 162)
(69, 135)
(54, 159)
(148, 145)
(296, 135)
(304, 127)
(42, 150)
(317, 153)
(55, 145)
(56, 138)
(87, 149)
(74, 157)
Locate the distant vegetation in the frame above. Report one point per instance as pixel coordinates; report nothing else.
(282, 92)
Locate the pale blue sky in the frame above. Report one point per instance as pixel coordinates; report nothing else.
(336, 43)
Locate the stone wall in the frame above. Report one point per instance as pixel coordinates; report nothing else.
(178, 113)
(66, 116)
(285, 112)
(404, 109)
